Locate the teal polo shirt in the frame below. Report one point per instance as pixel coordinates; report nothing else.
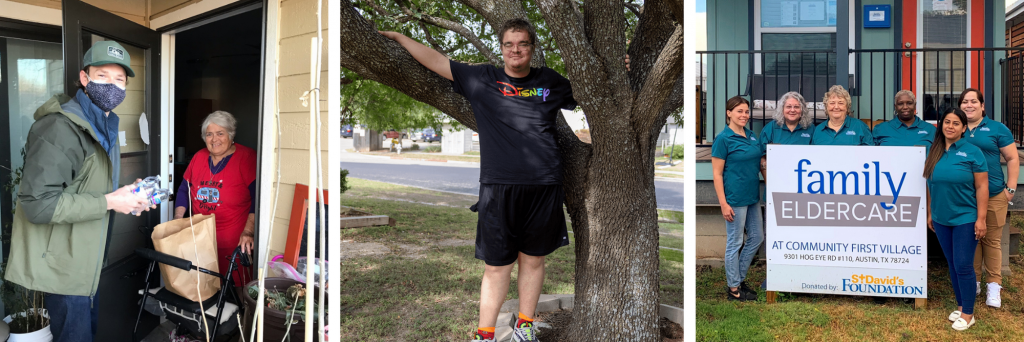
(742, 157)
(774, 133)
(895, 133)
(854, 132)
(989, 136)
(951, 185)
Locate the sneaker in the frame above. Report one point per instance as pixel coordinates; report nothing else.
(955, 315)
(994, 299)
(478, 338)
(744, 288)
(525, 332)
(978, 292)
(961, 324)
(740, 295)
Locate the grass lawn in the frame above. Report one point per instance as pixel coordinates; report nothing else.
(428, 287)
(805, 317)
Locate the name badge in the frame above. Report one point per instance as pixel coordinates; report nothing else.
(851, 133)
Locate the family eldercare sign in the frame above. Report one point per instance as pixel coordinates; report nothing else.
(847, 220)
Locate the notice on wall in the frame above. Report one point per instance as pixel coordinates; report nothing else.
(790, 13)
(847, 220)
(812, 11)
(876, 16)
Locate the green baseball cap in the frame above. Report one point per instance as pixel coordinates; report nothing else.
(108, 52)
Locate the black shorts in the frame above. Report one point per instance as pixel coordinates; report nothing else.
(519, 218)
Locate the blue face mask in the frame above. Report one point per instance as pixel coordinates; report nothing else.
(104, 95)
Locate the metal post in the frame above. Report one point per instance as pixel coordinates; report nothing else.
(843, 43)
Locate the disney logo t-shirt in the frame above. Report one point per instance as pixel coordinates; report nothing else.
(515, 118)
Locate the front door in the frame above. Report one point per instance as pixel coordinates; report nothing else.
(938, 77)
(139, 137)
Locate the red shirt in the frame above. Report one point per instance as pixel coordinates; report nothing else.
(225, 194)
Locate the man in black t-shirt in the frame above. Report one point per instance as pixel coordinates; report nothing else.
(520, 208)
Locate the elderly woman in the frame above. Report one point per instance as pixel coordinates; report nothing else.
(840, 128)
(905, 128)
(791, 125)
(994, 140)
(735, 160)
(221, 180)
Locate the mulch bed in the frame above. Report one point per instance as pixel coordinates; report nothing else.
(559, 321)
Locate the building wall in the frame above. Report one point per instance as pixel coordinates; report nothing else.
(297, 20)
(728, 29)
(139, 11)
(877, 71)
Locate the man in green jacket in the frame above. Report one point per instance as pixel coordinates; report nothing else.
(62, 216)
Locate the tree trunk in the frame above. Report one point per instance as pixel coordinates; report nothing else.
(609, 184)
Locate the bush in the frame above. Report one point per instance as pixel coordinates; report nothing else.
(432, 149)
(677, 153)
(344, 181)
(415, 147)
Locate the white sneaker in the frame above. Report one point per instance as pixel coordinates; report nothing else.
(961, 324)
(978, 292)
(955, 315)
(994, 299)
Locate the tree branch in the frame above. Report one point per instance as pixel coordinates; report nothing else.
(430, 39)
(653, 30)
(385, 61)
(458, 29)
(660, 84)
(581, 62)
(635, 8)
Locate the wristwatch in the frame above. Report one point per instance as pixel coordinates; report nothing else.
(1012, 191)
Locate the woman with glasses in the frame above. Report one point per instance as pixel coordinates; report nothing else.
(221, 180)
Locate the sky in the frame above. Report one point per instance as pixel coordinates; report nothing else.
(702, 6)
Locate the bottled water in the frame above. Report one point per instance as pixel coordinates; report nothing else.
(150, 190)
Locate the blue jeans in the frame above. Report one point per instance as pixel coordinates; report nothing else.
(739, 253)
(73, 318)
(958, 245)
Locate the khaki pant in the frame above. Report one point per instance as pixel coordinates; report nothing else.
(989, 247)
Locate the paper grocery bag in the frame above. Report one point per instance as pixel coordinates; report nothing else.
(175, 238)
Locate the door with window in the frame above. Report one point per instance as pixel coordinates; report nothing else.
(139, 138)
(946, 29)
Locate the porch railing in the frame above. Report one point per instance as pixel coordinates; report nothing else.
(874, 77)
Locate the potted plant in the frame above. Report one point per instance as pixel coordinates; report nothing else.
(285, 311)
(30, 325)
(29, 321)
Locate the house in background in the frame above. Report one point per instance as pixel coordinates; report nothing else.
(191, 57)
(761, 49)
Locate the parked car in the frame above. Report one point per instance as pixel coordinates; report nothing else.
(402, 135)
(416, 135)
(346, 131)
(429, 135)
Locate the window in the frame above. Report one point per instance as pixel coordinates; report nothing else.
(798, 13)
(799, 63)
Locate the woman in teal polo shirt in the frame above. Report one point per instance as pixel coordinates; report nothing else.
(905, 128)
(840, 128)
(791, 124)
(994, 140)
(736, 161)
(957, 176)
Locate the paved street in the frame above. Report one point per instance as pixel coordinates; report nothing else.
(461, 177)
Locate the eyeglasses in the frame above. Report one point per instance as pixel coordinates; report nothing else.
(209, 135)
(521, 45)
